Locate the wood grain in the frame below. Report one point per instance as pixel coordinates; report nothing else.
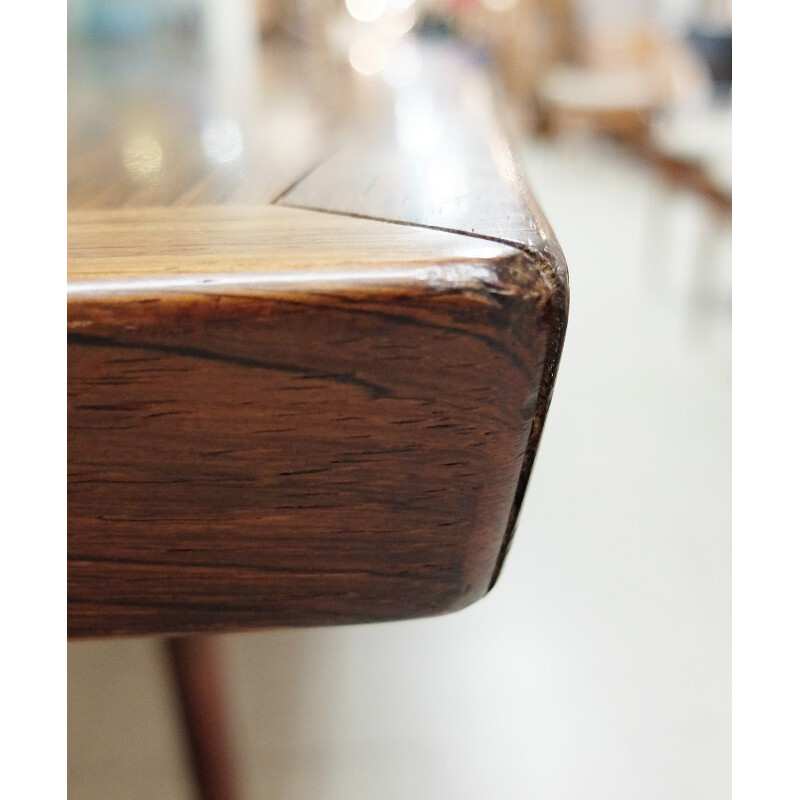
(139, 247)
(284, 416)
(433, 154)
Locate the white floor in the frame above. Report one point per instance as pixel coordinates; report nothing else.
(599, 667)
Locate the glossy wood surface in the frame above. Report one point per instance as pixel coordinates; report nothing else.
(165, 123)
(313, 402)
(140, 248)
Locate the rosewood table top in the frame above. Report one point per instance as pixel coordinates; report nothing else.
(314, 322)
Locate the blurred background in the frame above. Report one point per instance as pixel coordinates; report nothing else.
(599, 666)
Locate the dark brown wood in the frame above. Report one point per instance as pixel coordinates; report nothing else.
(284, 416)
(198, 674)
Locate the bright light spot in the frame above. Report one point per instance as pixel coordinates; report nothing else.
(366, 10)
(399, 23)
(142, 155)
(499, 5)
(222, 141)
(368, 55)
(418, 125)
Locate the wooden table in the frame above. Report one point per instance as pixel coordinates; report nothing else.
(314, 325)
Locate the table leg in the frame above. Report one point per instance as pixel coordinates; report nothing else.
(196, 666)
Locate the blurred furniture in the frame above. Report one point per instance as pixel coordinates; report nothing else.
(618, 101)
(524, 38)
(617, 82)
(692, 149)
(313, 328)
